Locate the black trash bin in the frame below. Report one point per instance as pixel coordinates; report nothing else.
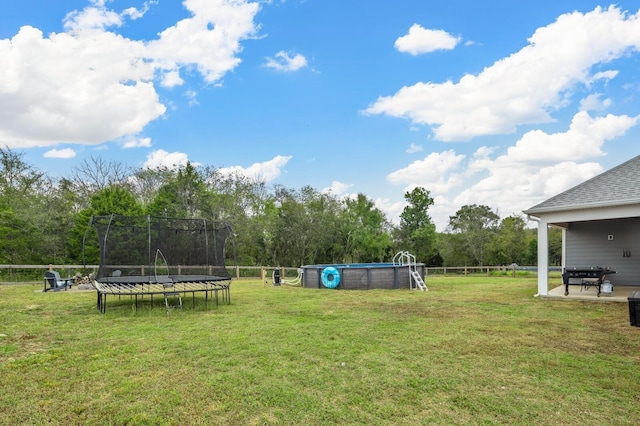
(276, 276)
(634, 308)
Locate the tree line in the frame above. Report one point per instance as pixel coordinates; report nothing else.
(44, 220)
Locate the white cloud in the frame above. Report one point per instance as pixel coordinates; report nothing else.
(112, 93)
(538, 166)
(583, 140)
(602, 75)
(135, 142)
(423, 40)
(192, 95)
(413, 148)
(134, 13)
(266, 171)
(60, 153)
(594, 102)
(524, 87)
(94, 17)
(391, 209)
(283, 61)
(209, 40)
(338, 188)
(438, 172)
(171, 79)
(161, 158)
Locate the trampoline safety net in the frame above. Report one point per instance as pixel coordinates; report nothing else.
(156, 249)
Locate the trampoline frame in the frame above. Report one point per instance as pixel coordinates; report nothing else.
(187, 284)
(135, 283)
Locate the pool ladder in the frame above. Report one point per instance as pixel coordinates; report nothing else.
(406, 258)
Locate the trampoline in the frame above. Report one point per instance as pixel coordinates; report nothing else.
(146, 256)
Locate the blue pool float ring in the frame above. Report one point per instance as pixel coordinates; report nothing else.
(330, 277)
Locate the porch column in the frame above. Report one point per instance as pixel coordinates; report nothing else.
(543, 257)
(564, 248)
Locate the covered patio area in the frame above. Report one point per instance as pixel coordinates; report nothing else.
(600, 223)
(620, 294)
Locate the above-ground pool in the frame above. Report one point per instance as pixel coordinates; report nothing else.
(360, 276)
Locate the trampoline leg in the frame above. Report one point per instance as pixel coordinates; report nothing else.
(102, 302)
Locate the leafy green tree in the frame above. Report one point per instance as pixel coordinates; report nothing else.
(182, 196)
(476, 225)
(323, 211)
(532, 251)
(291, 236)
(240, 202)
(15, 232)
(510, 242)
(22, 208)
(111, 200)
(44, 221)
(56, 218)
(366, 231)
(304, 227)
(146, 183)
(555, 246)
(416, 232)
(450, 246)
(17, 178)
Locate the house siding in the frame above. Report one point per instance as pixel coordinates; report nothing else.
(588, 245)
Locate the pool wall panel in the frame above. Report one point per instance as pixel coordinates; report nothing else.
(363, 276)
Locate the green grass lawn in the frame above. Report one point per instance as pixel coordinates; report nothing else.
(472, 350)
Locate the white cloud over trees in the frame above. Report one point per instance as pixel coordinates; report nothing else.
(265, 171)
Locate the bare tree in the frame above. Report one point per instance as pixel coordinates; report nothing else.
(96, 174)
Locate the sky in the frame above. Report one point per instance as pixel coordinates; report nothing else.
(497, 103)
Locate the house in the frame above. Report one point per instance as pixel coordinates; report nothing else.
(600, 222)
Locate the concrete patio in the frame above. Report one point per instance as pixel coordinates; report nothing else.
(576, 292)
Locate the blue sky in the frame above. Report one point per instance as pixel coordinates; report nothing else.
(499, 103)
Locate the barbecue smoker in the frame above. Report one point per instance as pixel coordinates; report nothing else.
(585, 277)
